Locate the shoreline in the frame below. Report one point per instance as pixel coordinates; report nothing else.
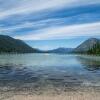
(66, 96)
(82, 94)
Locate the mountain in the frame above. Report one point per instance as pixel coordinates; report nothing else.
(90, 46)
(9, 44)
(87, 45)
(60, 50)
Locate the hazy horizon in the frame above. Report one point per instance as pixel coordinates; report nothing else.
(58, 43)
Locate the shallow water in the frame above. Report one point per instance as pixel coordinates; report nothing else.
(41, 71)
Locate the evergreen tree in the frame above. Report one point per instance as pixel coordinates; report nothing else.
(95, 49)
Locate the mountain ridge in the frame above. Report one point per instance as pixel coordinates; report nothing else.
(60, 50)
(87, 45)
(11, 45)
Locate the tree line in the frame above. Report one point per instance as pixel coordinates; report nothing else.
(95, 49)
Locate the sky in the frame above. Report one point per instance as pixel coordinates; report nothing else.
(50, 24)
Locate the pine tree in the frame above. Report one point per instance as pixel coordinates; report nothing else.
(95, 49)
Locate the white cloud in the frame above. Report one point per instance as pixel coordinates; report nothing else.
(45, 31)
(61, 32)
(30, 6)
(32, 25)
(27, 6)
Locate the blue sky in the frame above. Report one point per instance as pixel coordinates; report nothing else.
(48, 24)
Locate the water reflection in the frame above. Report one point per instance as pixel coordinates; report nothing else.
(38, 71)
(89, 63)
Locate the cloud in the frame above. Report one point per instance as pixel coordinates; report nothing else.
(15, 7)
(31, 25)
(63, 32)
(49, 19)
(27, 7)
(25, 27)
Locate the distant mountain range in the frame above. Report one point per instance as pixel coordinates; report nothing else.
(60, 50)
(10, 45)
(90, 46)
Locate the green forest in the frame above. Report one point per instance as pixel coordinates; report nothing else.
(95, 49)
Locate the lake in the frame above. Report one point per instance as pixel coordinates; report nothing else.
(38, 72)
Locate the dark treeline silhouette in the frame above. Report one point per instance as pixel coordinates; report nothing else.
(95, 49)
